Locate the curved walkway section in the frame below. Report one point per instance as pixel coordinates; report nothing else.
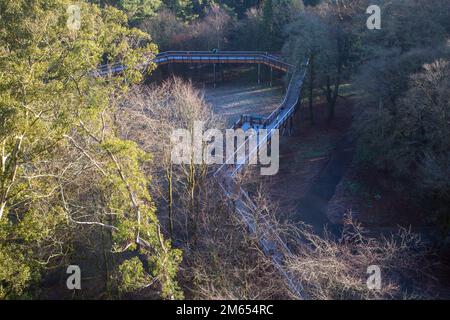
(206, 57)
(277, 119)
(253, 217)
(230, 57)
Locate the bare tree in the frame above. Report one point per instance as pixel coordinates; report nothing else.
(148, 116)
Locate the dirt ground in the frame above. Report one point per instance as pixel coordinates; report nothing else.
(303, 156)
(232, 98)
(312, 185)
(308, 176)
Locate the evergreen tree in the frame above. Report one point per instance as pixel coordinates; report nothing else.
(67, 179)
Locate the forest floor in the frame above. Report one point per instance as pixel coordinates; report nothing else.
(312, 162)
(317, 182)
(242, 95)
(315, 151)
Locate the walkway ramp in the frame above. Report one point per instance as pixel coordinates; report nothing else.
(269, 239)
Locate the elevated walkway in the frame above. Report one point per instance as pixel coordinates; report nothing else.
(206, 57)
(269, 239)
(227, 57)
(280, 118)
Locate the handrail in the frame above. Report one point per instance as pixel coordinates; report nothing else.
(275, 126)
(275, 113)
(216, 52)
(271, 243)
(205, 57)
(265, 123)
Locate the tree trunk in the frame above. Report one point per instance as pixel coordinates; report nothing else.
(170, 182)
(333, 94)
(311, 89)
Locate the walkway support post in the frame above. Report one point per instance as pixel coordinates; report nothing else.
(214, 70)
(259, 73)
(291, 125)
(271, 76)
(222, 73)
(311, 88)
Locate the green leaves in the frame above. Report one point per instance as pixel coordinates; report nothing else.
(132, 276)
(66, 176)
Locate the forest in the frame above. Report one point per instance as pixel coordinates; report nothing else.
(87, 177)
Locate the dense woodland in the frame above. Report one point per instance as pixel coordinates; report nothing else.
(86, 176)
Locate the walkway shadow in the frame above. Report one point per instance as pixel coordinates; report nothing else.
(312, 209)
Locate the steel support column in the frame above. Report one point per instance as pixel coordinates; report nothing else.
(259, 73)
(291, 125)
(214, 70)
(271, 76)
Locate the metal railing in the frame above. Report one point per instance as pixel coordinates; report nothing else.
(269, 240)
(251, 57)
(229, 57)
(275, 120)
